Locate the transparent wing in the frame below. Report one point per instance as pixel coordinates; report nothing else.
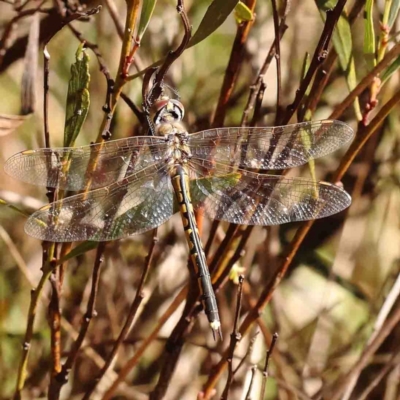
(111, 161)
(270, 148)
(247, 198)
(140, 202)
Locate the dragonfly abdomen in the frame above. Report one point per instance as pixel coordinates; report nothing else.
(180, 182)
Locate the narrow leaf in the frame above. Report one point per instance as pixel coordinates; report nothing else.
(145, 16)
(78, 99)
(29, 77)
(215, 15)
(394, 11)
(343, 44)
(390, 70)
(81, 248)
(369, 35)
(325, 5)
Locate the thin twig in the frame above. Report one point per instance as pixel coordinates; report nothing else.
(277, 59)
(128, 323)
(253, 373)
(248, 352)
(231, 256)
(255, 87)
(300, 235)
(258, 104)
(114, 89)
(232, 69)
(113, 10)
(235, 339)
(132, 362)
(172, 55)
(5, 39)
(174, 344)
(265, 370)
(135, 109)
(48, 262)
(387, 368)
(33, 305)
(55, 323)
(366, 81)
(363, 135)
(323, 74)
(384, 311)
(364, 359)
(46, 72)
(320, 54)
(62, 378)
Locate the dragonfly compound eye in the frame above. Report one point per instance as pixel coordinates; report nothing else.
(168, 110)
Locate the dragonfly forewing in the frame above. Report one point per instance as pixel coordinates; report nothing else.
(71, 169)
(136, 204)
(270, 148)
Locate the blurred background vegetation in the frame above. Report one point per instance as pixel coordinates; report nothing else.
(336, 308)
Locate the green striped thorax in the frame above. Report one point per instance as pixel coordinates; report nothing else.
(168, 115)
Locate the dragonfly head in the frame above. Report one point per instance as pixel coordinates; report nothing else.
(168, 110)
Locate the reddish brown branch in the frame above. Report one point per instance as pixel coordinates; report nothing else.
(336, 392)
(235, 339)
(265, 370)
(277, 59)
(128, 323)
(233, 67)
(172, 55)
(301, 233)
(256, 86)
(319, 56)
(62, 378)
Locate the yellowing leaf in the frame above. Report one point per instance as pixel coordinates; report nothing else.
(243, 13)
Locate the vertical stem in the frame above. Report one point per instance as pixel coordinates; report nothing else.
(35, 296)
(128, 323)
(232, 69)
(121, 79)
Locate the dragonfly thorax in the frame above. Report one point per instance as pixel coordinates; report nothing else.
(178, 149)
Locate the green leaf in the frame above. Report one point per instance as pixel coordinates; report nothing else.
(78, 99)
(243, 13)
(78, 250)
(369, 35)
(343, 44)
(394, 11)
(393, 67)
(325, 5)
(215, 15)
(145, 16)
(305, 65)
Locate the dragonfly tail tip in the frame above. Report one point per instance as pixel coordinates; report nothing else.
(216, 328)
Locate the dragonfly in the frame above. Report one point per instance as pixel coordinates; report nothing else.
(135, 184)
